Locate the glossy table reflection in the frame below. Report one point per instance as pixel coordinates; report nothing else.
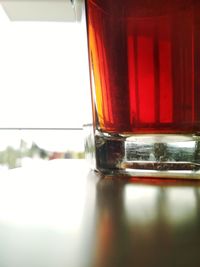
(60, 214)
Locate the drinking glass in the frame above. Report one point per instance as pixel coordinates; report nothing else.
(144, 60)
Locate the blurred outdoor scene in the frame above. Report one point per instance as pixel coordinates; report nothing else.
(21, 148)
(44, 91)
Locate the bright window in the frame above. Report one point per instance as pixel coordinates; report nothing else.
(44, 81)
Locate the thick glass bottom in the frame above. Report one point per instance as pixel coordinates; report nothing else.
(148, 155)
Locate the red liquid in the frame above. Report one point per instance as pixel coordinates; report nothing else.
(145, 65)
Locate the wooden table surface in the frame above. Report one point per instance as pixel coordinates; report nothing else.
(61, 214)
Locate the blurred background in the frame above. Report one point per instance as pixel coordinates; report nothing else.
(44, 87)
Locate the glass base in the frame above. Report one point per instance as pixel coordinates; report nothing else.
(148, 155)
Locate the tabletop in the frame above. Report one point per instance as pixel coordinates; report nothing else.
(62, 214)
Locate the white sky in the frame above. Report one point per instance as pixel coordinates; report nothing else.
(43, 75)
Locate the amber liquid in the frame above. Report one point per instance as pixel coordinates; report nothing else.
(145, 65)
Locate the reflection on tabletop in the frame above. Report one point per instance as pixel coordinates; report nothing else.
(61, 214)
